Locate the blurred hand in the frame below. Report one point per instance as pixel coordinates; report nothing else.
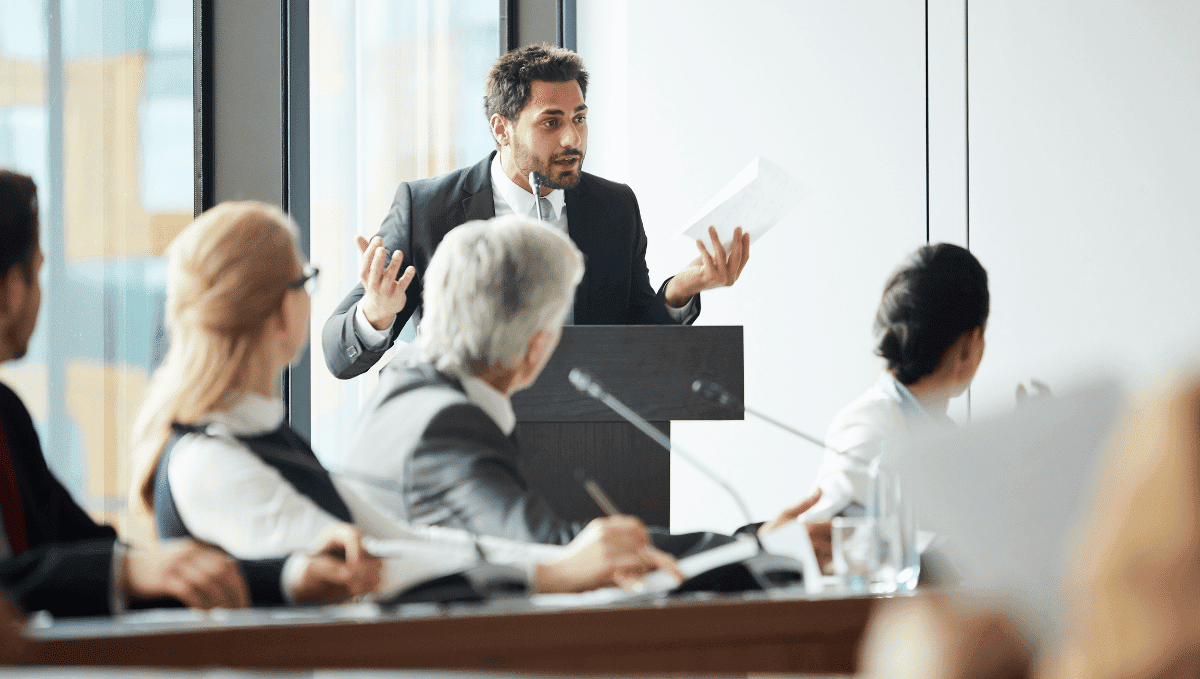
(1041, 390)
(383, 295)
(819, 533)
(950, 635)
(12, 641)
(710, 270)
(614, 550)
(198, 576)
(339, 568)
(789, 515)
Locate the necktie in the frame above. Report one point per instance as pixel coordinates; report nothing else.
(546, 208)
(10, 500)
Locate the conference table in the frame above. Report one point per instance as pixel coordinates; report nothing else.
(777, 631)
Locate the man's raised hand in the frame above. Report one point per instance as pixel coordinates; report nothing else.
(710, 270)
(384, 290)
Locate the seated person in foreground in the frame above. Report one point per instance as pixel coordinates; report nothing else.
(52, 555)
(1131, 593)
(219, 462)
(440, 424)
(930, 327)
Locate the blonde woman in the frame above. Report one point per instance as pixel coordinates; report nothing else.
(218, 461)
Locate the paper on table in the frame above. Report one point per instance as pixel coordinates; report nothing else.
(756, 199)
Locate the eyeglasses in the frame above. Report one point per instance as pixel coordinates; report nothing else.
(308, 281)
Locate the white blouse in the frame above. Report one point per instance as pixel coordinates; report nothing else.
(228, 496)
(886, 414)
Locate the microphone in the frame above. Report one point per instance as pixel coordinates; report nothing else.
(718, 395)
(537, 181)
(484, 580)
(761, 571)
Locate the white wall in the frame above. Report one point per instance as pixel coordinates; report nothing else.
(1085, 187)
(684, 94)
(1084, 163)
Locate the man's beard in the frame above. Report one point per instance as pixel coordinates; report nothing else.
(552, 178)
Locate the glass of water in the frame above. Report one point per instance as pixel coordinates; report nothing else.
(855, 552)
(898, 562)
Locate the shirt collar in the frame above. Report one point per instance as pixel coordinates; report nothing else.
(253, 414)
(495, 404)
(913, 411)
(519, 200)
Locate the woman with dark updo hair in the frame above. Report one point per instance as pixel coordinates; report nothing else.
(930, 328)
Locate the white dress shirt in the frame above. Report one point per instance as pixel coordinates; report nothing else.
(509, 198)
(227, 495)
(885, 415)
(489, 399)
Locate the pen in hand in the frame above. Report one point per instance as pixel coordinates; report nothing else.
(597, 493)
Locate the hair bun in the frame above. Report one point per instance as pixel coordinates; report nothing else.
(939, 294)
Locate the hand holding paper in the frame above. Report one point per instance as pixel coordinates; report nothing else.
(747, 207)
(719, 268)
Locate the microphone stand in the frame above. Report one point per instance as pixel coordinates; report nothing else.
(762, 571)
(717, 394)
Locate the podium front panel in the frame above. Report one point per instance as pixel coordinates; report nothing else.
(633, 470)
(649, 368)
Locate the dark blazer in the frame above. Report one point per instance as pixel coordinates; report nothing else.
(67, 569)
(602, 217)
(455, 465)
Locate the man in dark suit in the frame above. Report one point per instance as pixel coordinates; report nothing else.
(53, 556)
(536, 110)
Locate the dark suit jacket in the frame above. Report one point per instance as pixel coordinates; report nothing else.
(456, 466)
(603, 219)
(67, 569)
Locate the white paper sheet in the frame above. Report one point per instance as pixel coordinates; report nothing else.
(756, 199)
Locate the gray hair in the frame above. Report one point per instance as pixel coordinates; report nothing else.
(490, 287)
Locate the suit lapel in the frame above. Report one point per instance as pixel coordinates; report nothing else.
(584, 224)
(478, 203)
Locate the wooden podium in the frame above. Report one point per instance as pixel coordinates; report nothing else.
(651, 370)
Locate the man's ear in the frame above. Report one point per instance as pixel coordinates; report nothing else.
(500, 129)
(538, 347)
(13, 289)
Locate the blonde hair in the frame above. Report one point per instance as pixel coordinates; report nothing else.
(227, 274)
(490, 287)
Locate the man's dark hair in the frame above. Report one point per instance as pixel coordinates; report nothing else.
(511, 77)
(18, 222)
(939, 294)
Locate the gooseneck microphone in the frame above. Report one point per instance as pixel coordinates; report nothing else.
(763, 570)
(537, 181)
(718, 395)
(584, 382)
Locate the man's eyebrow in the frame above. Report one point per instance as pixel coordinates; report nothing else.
(559, 112)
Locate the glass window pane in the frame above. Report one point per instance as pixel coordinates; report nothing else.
(100, 114)
(397, 95)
